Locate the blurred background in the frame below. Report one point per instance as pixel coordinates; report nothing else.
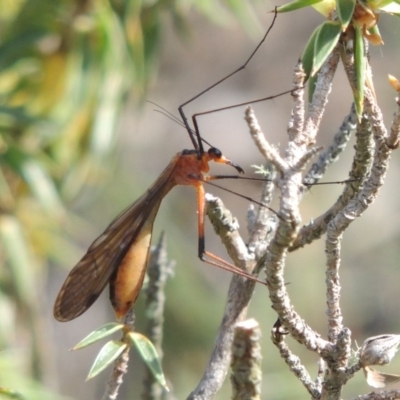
(79, 143)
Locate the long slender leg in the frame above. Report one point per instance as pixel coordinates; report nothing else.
(212, 258)
(198, 145)
(207, 180)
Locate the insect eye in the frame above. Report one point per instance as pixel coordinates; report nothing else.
(214, 152)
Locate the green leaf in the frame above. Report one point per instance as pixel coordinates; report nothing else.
(359, 61)
(325, 41)
(311, 87)
(296, 4)
(345, 10)
(110, 352)
(98, 334)
(307, 58)
(319, 47)
(149, 355)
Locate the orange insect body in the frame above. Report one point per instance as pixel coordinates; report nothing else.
(120, 255)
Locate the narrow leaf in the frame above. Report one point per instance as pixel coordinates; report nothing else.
(109, 352)
(296, 4)
(345, 10)
(149, 355)
(359, 61)
(311, 87)
(307, 57)
(325, 41)
(98, 334)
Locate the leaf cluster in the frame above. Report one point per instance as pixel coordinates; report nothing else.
(349, 22)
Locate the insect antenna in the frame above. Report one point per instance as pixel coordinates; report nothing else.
(175, 119)
(162, 110)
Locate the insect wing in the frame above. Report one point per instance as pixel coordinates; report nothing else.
(89, 277)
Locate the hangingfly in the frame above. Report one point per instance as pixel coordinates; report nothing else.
(119, 256)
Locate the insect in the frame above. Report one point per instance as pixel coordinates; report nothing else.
(119, 256)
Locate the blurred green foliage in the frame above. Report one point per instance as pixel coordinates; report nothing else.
(67, 68)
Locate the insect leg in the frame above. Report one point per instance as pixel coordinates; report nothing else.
(203, 253)
(195, 136)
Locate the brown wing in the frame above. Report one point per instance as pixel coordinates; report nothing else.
(89, 277)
